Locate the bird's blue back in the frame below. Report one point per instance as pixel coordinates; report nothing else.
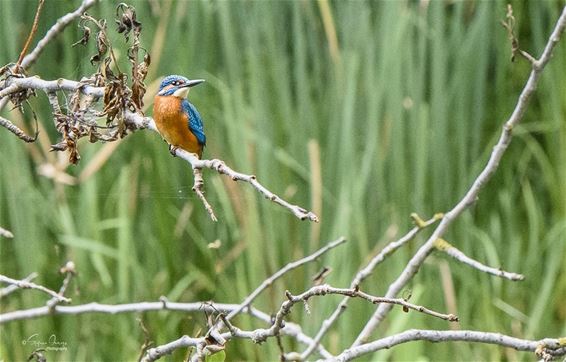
(195, 122)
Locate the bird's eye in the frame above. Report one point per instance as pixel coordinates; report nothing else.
(176, 83)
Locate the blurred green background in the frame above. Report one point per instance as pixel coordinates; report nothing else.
(362, 111)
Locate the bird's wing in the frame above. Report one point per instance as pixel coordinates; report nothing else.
(195, 122)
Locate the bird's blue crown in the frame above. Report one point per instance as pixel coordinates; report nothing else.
(171, 79)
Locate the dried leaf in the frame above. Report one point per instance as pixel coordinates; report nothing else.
(85, 38)
(127, 21)
(101, 47)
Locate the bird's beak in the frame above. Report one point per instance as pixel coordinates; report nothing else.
(183, 90)
(192, 83)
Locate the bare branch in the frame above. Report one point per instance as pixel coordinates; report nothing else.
(118, 308)
(471, 195)
(446, 247)
(291, 329)
(17, 131)
(260, 335)
(156, 353)
(26, 284)
(12, 288)
(554, 347)
(57, 28)
(220, 167)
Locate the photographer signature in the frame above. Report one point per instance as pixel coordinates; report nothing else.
(51, 344)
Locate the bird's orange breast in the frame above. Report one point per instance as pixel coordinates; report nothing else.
(173, 124)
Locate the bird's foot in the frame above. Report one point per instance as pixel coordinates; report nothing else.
(173, 150)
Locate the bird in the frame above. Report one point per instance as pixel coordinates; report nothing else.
(178, 120)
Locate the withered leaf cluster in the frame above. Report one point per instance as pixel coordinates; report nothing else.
(119, 96)
(123, 90)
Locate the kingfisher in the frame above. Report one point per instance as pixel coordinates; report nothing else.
(178, 120)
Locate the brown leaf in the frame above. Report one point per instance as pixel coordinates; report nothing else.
(85, 38)
(127, 21)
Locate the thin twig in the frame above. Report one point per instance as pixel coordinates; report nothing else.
(29, 285)
(260, 335)
(287, 268)
(147, 342)
(472, 194)
(69, 271)
(198, 188)
(31, 35)
(449, 249)
(20, 134)
(12, 288)
(554, 347)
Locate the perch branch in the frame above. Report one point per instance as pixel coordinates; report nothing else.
(446, 247)
(29, 285)
(472, 194)
(547, 346)
(137, 121)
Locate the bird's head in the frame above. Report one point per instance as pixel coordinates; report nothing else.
(177, 86)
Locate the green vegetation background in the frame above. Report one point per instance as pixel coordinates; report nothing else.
(404, 112)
